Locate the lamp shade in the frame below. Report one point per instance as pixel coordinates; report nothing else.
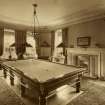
(26, 44)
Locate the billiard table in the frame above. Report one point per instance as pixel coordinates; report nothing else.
(44, 76)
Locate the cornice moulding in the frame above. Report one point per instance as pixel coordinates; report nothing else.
(93, 13)
(80, 17)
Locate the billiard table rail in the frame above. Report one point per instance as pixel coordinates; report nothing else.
(35, 80)
(56, 82)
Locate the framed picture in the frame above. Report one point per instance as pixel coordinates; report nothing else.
(83, 41)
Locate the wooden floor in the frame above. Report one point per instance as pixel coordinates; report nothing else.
(63, 96)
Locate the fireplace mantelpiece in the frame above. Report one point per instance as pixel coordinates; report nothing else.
(97, 59)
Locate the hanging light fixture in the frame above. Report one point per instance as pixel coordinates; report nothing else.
(35, 32)
(35, 19)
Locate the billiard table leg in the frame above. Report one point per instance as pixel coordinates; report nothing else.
(5, 73)
(42, 100)
(11, 78)
(0, 67)
(43, 94)
(78, 84)
(23, 89)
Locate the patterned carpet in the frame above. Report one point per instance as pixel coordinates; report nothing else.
(7, 96)
(94, 94)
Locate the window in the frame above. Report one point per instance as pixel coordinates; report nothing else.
(58, 37)
(58, 43)
(30, 47)
(9, 39)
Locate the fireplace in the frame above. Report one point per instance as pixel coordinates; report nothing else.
(84, 61)
(92, 59)
(89, 62)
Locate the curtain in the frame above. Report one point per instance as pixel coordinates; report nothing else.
(65, 42)
(20, 42)
(1, 40)
(52, 43)
(37, 44)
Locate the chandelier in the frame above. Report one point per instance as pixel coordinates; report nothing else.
(35, 19)
(35, 32)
